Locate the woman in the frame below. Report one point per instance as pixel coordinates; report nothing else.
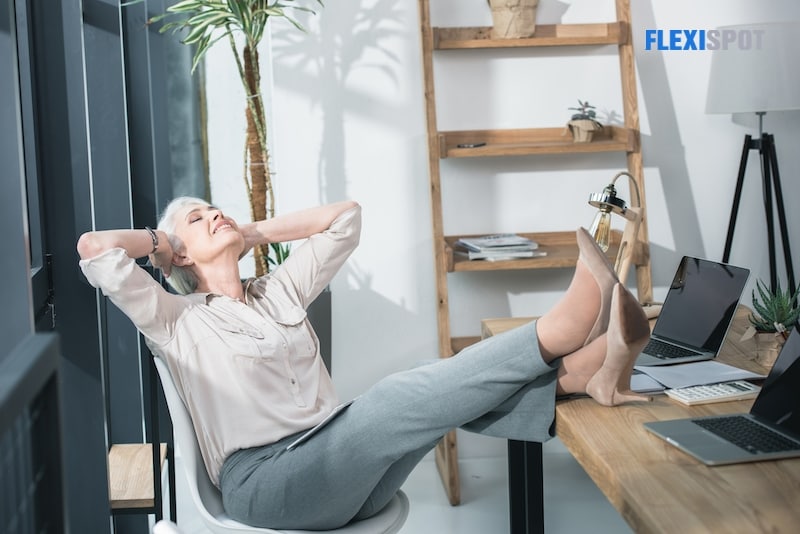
(247, 364)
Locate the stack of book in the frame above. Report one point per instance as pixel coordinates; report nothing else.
(497, 247)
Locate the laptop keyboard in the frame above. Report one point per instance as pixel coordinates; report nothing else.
(667, 351)
(748, 435)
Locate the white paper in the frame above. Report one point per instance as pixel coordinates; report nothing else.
(642, 383)
(696, 373)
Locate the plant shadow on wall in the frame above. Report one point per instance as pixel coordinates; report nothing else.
(327, 58)
(325, 67)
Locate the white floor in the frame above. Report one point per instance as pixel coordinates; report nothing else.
(573, 504)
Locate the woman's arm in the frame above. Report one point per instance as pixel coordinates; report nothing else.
(136, 243)
(293, 226)
(108, 260)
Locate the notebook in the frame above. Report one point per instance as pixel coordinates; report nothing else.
(696, 313)
(771, 430)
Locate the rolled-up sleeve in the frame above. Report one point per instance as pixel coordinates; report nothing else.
(312, 265)
(152, 309)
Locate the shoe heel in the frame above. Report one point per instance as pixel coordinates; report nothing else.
(628, 333)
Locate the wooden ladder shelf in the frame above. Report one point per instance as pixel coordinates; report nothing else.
(560, 246)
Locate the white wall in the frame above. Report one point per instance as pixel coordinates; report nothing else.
(349, 123)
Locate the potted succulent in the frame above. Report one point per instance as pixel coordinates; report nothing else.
(775, 314)
(513, 19)
(584, 123)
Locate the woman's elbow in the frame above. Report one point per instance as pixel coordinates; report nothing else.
(89, 245)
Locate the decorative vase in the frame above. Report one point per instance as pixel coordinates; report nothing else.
(582, 130)
(768, 346)
(513, 19)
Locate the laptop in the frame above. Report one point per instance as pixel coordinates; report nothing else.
(696, 313)
(770, 431)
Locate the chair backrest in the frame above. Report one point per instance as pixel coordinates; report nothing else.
(208, 499)
(204, 494)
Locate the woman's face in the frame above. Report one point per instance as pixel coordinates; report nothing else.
(206, 232)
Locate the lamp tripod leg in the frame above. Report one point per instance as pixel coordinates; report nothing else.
(766, 190)
(737, 197)
(776, 180)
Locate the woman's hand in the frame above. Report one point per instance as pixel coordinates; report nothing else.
(162, 258)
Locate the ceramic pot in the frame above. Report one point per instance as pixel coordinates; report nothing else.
(513, 18)
(582, 130)
(768, 345)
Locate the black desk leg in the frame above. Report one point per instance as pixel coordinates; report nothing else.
(525, 487)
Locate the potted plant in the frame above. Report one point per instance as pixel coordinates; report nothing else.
(775, 314)
(208, 21)
(584, 123)
(513, 19)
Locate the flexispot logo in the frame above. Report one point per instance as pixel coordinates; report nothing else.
(687, 39)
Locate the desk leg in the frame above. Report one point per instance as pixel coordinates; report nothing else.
(525, 487)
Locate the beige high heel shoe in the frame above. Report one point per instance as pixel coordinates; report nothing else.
(628, 333)
(602, 271)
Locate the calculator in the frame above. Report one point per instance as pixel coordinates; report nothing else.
(725, 391)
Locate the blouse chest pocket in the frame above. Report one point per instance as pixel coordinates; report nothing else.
(242, 339)
(300, 339)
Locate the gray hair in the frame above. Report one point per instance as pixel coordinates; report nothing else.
(182, 279)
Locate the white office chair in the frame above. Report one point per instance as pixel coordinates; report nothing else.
(208, 500)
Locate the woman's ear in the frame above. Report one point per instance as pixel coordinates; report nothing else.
(181, 260)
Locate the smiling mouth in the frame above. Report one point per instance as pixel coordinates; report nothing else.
(221, 227)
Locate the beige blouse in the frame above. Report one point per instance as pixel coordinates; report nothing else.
(249, 373)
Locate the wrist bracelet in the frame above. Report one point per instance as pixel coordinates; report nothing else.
(153, 237)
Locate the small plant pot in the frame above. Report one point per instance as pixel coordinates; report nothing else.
(582, 130)
(768, 346)
(513, 19)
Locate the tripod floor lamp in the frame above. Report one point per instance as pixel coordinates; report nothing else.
(754, 70)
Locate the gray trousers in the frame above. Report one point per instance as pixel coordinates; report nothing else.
(353, 467)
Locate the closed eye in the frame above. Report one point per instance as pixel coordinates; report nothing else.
(195, 214)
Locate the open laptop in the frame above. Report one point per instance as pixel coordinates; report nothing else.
(696, 313)
(770, 431)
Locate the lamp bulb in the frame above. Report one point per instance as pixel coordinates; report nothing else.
(601, 229)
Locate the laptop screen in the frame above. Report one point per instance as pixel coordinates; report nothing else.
(779, 399)
(700, 303)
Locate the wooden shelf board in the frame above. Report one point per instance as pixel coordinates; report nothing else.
(520, 142)
(546, 35)
(561, 248)
(460, 343)
(130, 475)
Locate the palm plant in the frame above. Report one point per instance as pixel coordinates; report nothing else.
(208, 21)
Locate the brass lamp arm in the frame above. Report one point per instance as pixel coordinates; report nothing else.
(632, 182)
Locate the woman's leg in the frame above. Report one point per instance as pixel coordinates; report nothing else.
(582, 314)
(326, 481)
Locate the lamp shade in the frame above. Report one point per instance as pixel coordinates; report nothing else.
(755, 68)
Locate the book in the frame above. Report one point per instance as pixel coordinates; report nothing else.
(498, 255)
(494, 242)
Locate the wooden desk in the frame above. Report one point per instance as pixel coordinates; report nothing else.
(655, 486)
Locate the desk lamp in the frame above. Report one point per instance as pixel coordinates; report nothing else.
(607, 202)
(755, 70)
